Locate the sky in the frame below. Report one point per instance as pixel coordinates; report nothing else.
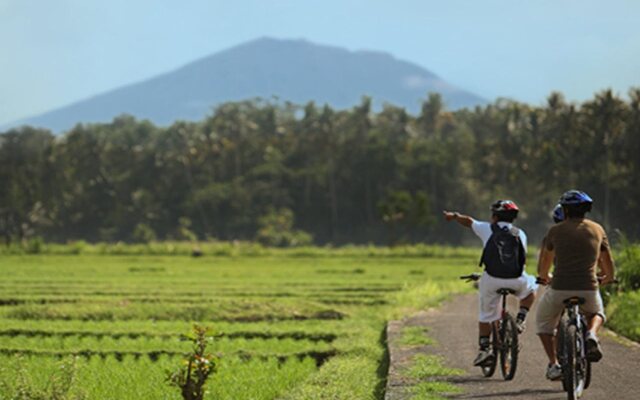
(55, 52)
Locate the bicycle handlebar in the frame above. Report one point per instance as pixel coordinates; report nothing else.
(472, 277)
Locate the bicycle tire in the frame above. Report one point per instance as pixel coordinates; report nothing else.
(489, 369)
(509, 347)
(574, 375)
(587, 378)
(561, 350)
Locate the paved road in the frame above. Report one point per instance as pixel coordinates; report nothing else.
(454, 326)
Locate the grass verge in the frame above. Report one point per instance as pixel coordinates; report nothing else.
(622, 313)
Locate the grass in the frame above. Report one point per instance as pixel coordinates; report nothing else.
(622, 314)
(429, 371)
(433, 390)
(415, 336)
(237, 249)
(286, 324)
(429, 366)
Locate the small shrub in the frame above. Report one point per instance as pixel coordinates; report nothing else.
(198, 366)
(58, 387)
(34, 245)
(276, 230)
(77, 247)
(629, 267)
(184, 230)
(143, 233)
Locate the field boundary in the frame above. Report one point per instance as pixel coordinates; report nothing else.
(399, 386)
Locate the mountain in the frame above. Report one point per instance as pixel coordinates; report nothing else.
(293, 70)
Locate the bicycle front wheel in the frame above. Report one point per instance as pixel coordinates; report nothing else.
(509, 347)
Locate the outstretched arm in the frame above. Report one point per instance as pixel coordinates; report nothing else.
(463, 220)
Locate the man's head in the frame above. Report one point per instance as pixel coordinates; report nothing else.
(575, 203)
(558, 214)
(504, 210)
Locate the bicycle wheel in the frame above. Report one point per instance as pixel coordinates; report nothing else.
(509, 347)
(587, 378)
(489, 368)
(561, 350)
(575, 372)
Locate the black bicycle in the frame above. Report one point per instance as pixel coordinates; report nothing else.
(504, 338)
(572, 349)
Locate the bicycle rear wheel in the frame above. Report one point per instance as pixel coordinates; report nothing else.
(489, 368)
(576, 370)
(509, 347)
(562, 350)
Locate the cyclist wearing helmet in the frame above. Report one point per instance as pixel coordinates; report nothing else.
(558, 215)
(504, 248)
(578, 246)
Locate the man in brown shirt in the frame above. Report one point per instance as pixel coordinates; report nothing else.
(578, 245)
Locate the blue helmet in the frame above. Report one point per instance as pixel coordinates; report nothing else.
(558, 214)
(574, 198)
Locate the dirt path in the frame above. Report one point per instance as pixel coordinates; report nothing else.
(454, 327)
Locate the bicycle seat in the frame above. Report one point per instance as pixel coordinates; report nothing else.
(574, 300)
(505, 291)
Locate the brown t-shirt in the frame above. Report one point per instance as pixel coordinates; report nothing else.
(577, 244)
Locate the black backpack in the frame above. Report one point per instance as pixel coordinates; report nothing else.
(503, 256)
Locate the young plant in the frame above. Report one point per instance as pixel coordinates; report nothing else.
(197, 367)
(58, 387)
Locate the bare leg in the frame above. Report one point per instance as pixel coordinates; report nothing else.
(484, 328)
(549, 344)
(595, 323)
(527, 302)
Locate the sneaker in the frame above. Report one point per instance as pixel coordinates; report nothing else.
(554, 372)
(484, 356)
(594, 351)
(520, 325)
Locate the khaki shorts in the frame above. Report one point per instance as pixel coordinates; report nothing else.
(550, 307)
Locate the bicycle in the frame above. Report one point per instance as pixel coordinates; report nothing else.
(572, 346)
(504, 338)
(572, 349)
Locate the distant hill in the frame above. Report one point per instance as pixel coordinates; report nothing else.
(294, 70)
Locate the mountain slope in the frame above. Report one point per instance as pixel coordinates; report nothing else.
(293, 70)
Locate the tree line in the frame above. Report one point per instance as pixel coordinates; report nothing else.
(290, 174)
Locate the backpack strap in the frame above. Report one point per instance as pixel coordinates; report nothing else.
(522, 256)
(522, 259)
(494, 229)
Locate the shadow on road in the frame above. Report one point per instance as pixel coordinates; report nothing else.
(525, 393)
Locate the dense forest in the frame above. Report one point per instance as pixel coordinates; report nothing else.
(286, 174)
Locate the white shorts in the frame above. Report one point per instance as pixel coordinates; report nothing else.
(490, 304)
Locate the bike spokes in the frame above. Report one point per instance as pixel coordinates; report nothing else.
(509, 347)
(489, 368)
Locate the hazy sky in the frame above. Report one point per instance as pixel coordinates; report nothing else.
(54, 52)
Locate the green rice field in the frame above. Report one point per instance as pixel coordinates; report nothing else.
(284, 327)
